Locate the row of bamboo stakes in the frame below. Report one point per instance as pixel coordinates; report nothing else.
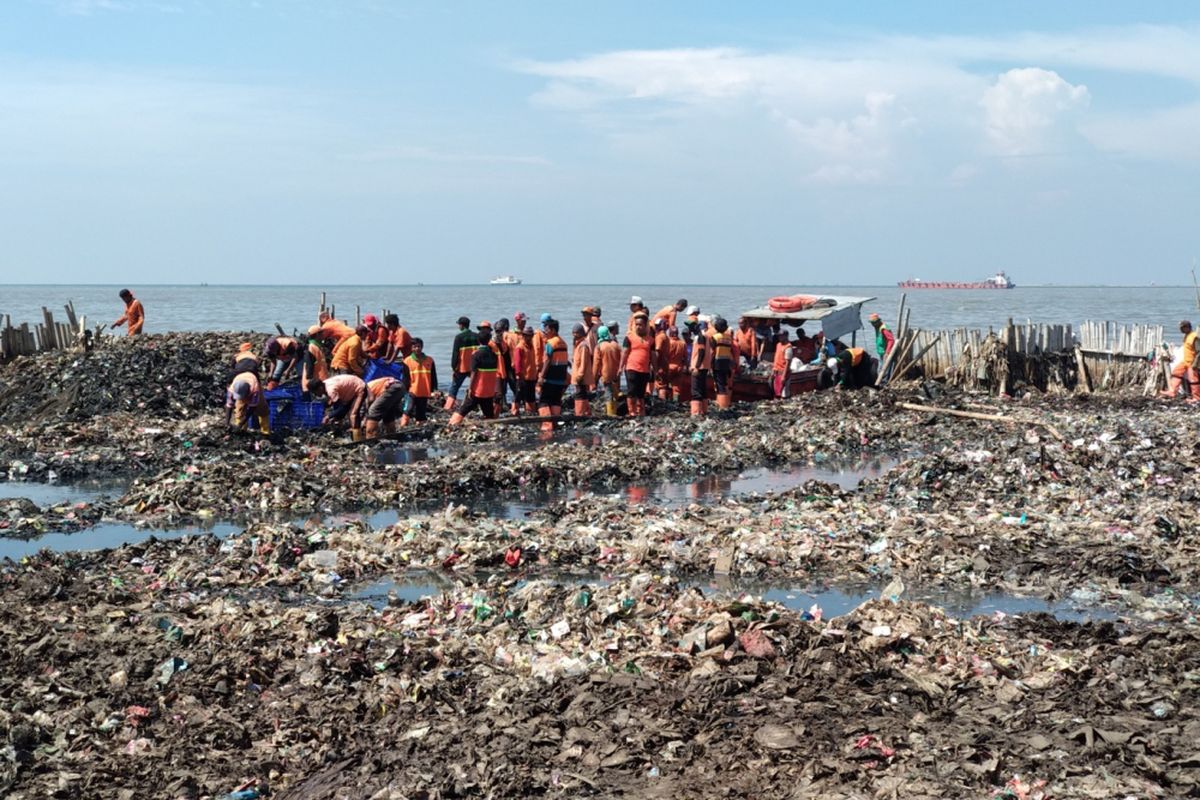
(1104, 355)
(44, 336)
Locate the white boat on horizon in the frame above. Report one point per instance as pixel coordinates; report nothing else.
(505, 280)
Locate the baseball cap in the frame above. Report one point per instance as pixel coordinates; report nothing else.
(635, 300)
(578, 329)
(873, 318)
(370, 319)
(484, 324)
(691, 310)
(546, 317)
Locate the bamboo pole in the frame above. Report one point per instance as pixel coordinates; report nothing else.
(953, 412)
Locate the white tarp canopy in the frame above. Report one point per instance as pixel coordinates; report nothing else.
(837, 315)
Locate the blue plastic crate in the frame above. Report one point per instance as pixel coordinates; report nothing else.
(289, 392)
(307, 415)
(378, 368)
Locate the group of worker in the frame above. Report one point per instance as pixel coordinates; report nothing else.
(676, 354)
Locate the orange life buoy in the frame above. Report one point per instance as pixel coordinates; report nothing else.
(795, 302)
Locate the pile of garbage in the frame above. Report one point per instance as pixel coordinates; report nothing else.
(169, 376)
(182, 669)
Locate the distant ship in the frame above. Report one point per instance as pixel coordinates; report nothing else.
(505, 280)
(997, 281)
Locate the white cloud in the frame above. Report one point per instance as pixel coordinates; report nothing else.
(1029, 110)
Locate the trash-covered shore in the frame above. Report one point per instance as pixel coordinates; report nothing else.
(202, 666)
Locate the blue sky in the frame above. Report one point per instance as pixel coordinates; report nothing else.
(232, 141)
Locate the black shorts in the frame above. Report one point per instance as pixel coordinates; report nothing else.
(636, 382)
(552, 394)
(721, 374)
(418, 408)
(526, 391)
(386, 407)
(487, 405)
(700, 385)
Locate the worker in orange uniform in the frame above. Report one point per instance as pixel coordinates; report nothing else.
(636, 306)
(583, 376)
(346, 394)
(244, 397)
(333, 330)
(513, 337)
(525, 365)
(484, 374)
(422, 382)
(315, 365)
(637, 362)
(781, 366)
(375, 343)
(348, 355)
(134, 316)
(662, 386)
(245, 360)
(285, 353)
(466, 342)
(606, 367)
(676, 367)
(700, 364)
(724, 360)
(670, 314)
(852, 368)
(552, 380)
(747, 342)
(1187, 374)
(399, 340)
(385, 404)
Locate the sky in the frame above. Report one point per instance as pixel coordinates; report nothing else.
(369, 141)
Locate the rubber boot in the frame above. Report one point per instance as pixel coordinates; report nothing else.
(456, 418)
(724, 401)
(544, 411)
(1172, 387)
(697, 408)
(404, 421)
(356, 434)
(583, 408)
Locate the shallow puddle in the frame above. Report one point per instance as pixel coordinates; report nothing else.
(832, 602)
(398, 455)
(104, 536)
(56, 494)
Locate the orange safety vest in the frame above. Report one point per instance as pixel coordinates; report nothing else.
(780, 366)
(377, 386)
(529, 363)
(702, 353)
(419, 375)
(639, 353)
(582, 371)
(746, 341)
(320, 370)
(607, 361)
(501, 370)
(676, 360)
(856, 355)
(722, 344)
(483, 382)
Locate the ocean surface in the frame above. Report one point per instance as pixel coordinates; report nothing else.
(430, 311)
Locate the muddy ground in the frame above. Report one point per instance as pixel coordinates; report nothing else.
(196, 667)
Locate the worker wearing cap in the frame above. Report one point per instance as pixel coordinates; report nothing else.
(885, 340)
(554, 374)
(501, 367)
(315, 366)
(669, 313)
(134, 316)
(484, 373)
(591, 321)
(583, 374)
(637, 362)
(285, 354)
(724, 361)
(399, 340)
(525, 366)
(376, 341)
(349, 357)
(465, 345)
(346, 394)
(244, 397)
(539, 340)
(1187, 374)
(606, 368)
(692, 319)
(852, 368)
(422, 382)
(636, 306)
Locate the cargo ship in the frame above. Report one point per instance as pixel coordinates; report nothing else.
(997, 281)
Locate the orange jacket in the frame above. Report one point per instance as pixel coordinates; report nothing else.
(676, 358)
(348, 355)
(746, 342)
(583, 370)
(606, 363)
